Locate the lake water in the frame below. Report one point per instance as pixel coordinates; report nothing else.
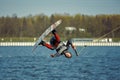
(93, 63)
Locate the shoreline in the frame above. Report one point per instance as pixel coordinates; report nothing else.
(75, 43)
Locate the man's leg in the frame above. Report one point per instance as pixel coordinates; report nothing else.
(54, 32)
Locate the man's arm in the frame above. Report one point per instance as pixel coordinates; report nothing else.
(73, 47)
(55, 55)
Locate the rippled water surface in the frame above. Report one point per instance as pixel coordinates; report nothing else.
(93, 63)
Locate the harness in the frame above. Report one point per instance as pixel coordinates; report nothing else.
(61, 48)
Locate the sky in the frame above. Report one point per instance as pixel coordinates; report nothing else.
(34, 7)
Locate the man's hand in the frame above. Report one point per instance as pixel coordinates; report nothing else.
(74, 47)
(54, 31)
(42, 43)
(52, 55)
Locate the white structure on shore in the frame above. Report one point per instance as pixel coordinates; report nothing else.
(97, 43)
(17, 43)
(75, 43)
(91, 40)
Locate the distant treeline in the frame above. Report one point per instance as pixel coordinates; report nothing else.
(33, 26)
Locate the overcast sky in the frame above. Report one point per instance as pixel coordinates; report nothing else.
(48, 7)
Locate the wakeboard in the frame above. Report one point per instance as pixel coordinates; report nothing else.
(47, 31)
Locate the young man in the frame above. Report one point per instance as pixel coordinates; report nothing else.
(60, 47)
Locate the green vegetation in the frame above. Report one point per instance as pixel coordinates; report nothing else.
(116, 39)
(16, 39)
(23, 39)
(26, 28)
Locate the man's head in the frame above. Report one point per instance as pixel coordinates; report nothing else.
(67, 54)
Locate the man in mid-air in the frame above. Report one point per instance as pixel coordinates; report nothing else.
(61, 48)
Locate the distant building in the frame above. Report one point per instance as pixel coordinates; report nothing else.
(70, 28)
(81, 30)
(103, 40)
(82, 39)
(91, 40)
